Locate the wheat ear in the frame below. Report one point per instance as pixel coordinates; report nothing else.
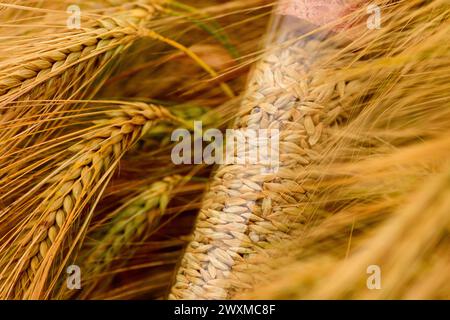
(64, 69)
(72, 51)
(95, 158)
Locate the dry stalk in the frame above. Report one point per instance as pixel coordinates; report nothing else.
(75, 183)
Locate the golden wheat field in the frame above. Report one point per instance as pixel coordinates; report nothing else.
(224, 149)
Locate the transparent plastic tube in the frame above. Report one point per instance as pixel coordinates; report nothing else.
(289, 104)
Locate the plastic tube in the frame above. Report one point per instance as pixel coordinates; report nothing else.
(289, 103)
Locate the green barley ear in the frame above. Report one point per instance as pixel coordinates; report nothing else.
(133, 221)
(163, 202)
